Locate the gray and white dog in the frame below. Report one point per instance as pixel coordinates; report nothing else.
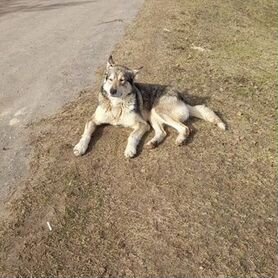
(124, 102)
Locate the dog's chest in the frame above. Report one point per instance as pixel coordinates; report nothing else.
(120, 115)
(116, 115)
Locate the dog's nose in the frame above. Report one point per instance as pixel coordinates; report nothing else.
(113, 91)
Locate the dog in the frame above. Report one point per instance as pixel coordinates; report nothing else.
(124, 102)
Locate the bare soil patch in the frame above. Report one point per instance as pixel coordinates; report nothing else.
(205, 209)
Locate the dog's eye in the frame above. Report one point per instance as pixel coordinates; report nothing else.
(122, 80)
(110, 79)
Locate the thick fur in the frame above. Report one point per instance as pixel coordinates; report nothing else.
(124, 102)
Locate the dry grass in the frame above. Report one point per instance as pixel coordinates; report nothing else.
(203, 210)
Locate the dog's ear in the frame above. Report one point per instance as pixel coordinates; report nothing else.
(136, 71)
(110, 62)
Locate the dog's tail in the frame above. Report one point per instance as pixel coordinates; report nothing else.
(203, 112)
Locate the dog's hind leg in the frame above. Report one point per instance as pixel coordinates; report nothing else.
(173, 112)
(205, 113)
(183, 130)
(160, 133)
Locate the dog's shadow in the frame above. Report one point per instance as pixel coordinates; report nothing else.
(191, 99)
(98, 133)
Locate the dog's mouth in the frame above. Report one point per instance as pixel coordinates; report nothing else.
(115, 95)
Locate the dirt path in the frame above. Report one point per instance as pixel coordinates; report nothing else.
(49, 51)
(207, 209)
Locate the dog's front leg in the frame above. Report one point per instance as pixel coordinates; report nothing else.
(83, 143)
(97, 119)
(139, 129)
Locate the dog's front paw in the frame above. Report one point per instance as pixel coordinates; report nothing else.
(130, 152)
(79, 149)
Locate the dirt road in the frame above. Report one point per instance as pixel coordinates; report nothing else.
(49, 51)
(206, 209)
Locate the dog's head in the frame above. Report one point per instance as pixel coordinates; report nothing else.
(118, 80)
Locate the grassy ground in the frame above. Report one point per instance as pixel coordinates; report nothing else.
(207, 209)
